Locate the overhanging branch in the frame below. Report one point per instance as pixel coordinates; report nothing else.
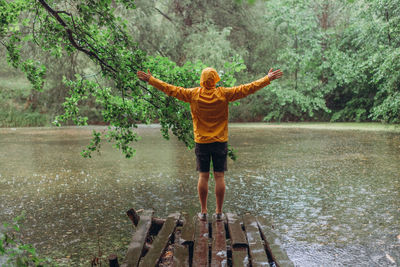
(69, 32)
(103, 64)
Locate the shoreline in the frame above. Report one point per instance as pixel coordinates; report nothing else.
(361, 126)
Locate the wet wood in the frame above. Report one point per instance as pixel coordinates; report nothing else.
(256, 246)
(181, 251)
(138, 240)
(156, 223)
(184, 240)
(160, 242)
(200, 249)
(187, 235)
(240, 257)
(133, 216)
(238, 240)
(218, 247)
(238, 237)
(273, 243)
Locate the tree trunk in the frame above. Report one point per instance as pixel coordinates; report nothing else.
(297, 61)
(323, 18)
(387, 20)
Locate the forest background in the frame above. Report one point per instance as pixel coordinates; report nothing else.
(341, 60)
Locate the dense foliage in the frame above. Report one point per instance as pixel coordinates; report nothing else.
(340, 59)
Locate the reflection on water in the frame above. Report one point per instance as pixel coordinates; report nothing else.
(333, 196)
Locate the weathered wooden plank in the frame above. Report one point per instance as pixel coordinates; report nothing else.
(219, 252)
(160, 242)
(238, 240)
(187, 235)
(139, 238)
(256, 247)
(181, 253)
(184, 239)
(273, 243)
(200, 249)
(240, 257)
(238, 237)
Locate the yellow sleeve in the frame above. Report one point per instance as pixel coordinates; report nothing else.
(171, 90)
(237, 92)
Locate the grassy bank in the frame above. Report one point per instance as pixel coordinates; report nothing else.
(354, 126)
(15, 89)
(363, 126)
(11, 116)
(14, 112)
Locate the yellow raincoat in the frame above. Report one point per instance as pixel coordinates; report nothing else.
(209, 104)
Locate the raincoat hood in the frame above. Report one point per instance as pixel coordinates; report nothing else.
(209, 78)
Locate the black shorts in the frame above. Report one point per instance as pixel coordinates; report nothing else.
(216, 151)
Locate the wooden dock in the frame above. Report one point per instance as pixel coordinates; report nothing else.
(181, 240)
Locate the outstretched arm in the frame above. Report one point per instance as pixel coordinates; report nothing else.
(237, 92)
(171, 90)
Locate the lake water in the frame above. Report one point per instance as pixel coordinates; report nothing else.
(333, 196)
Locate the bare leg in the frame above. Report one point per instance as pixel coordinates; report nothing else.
(219, 190)
(202, 188)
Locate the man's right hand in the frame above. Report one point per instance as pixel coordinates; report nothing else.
(273, 75)
(143, 75)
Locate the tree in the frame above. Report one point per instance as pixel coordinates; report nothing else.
(301, 95)
(94, 29)
(386, 75)
(365, 64)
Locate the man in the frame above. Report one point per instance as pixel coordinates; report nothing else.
(209, 108)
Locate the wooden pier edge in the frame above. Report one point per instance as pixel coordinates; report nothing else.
(272, 243)
(182, 240)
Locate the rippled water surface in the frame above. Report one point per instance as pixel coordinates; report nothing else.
(332, 195)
